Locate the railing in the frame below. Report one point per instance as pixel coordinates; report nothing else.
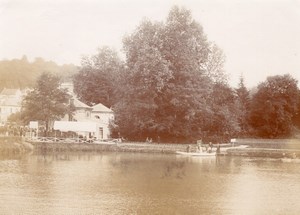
(60, 140)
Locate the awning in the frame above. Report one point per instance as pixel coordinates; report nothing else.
(75, 126)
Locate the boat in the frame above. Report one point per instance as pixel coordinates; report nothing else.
(101, 142)
(233, 147)
(199, 154)
(290, 160)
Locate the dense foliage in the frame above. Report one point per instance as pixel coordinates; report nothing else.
(274, 106)
(98, 78)
(242, 109)
(171, 72)
(46, 102)
(172, 88)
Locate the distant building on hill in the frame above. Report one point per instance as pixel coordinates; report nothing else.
(10, 102)
(69, 86)
(98, 115)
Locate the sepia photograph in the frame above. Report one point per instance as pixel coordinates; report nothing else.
(137, 107)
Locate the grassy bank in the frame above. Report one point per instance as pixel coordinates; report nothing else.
(14, 145)
(120, 147)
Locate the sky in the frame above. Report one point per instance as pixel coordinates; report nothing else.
(259, 38)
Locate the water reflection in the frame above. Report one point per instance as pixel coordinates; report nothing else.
(131, 183)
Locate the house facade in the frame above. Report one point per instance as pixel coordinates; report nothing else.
(10, 103)
(97, 115)
(102, 115)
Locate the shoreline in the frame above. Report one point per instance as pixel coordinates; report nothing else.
(14, 145)
(256, 148)
(113, 147)
(250, 151)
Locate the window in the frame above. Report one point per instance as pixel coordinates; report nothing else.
(100, 133)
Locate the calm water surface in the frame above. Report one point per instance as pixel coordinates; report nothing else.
(130, 183)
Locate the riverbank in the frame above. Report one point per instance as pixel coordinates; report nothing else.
(264, 152)
(250, 151)
(271, 148)
(256, 148)
(113, 147)
(14, 145)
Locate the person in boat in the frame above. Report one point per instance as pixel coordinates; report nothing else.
(199, 147)
(206, 147)
(218, 149)
(188, 148)
(210, 147)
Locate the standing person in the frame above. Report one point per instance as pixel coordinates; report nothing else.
(199, 145)
(218, 149)
(188, 148)
(210, 146)
(206, 147)
(199, 148)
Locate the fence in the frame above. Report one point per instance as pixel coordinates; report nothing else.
(61, 140)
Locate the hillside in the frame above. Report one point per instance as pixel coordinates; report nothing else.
(20, 73)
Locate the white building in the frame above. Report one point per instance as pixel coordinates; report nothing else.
(102, 115)
(98, 115)
(10, 102)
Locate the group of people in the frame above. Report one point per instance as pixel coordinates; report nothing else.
(208, 147)
(13, 130)
(149, 140)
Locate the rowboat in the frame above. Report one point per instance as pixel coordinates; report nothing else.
(233, 147)
(290, 160)
(104, 142)
(201, 154)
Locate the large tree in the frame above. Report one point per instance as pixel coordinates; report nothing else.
(99, 77)
(167, 82)
(296, 118)
(274, 106)
(243, 102)
(221, 122)
(46, 102)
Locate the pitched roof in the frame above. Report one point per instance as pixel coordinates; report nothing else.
(9, 92)
(79, 104)
(11, 102)
(101, 108)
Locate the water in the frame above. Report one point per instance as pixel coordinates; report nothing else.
(132, 183)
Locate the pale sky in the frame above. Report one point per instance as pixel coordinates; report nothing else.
(259, 37)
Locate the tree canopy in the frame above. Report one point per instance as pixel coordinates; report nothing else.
(173, 87)
(243, 105)
(98, 77)
(46, 102)
(274, 106)
(169, 78)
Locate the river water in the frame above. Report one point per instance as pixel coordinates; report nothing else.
(133, 183)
